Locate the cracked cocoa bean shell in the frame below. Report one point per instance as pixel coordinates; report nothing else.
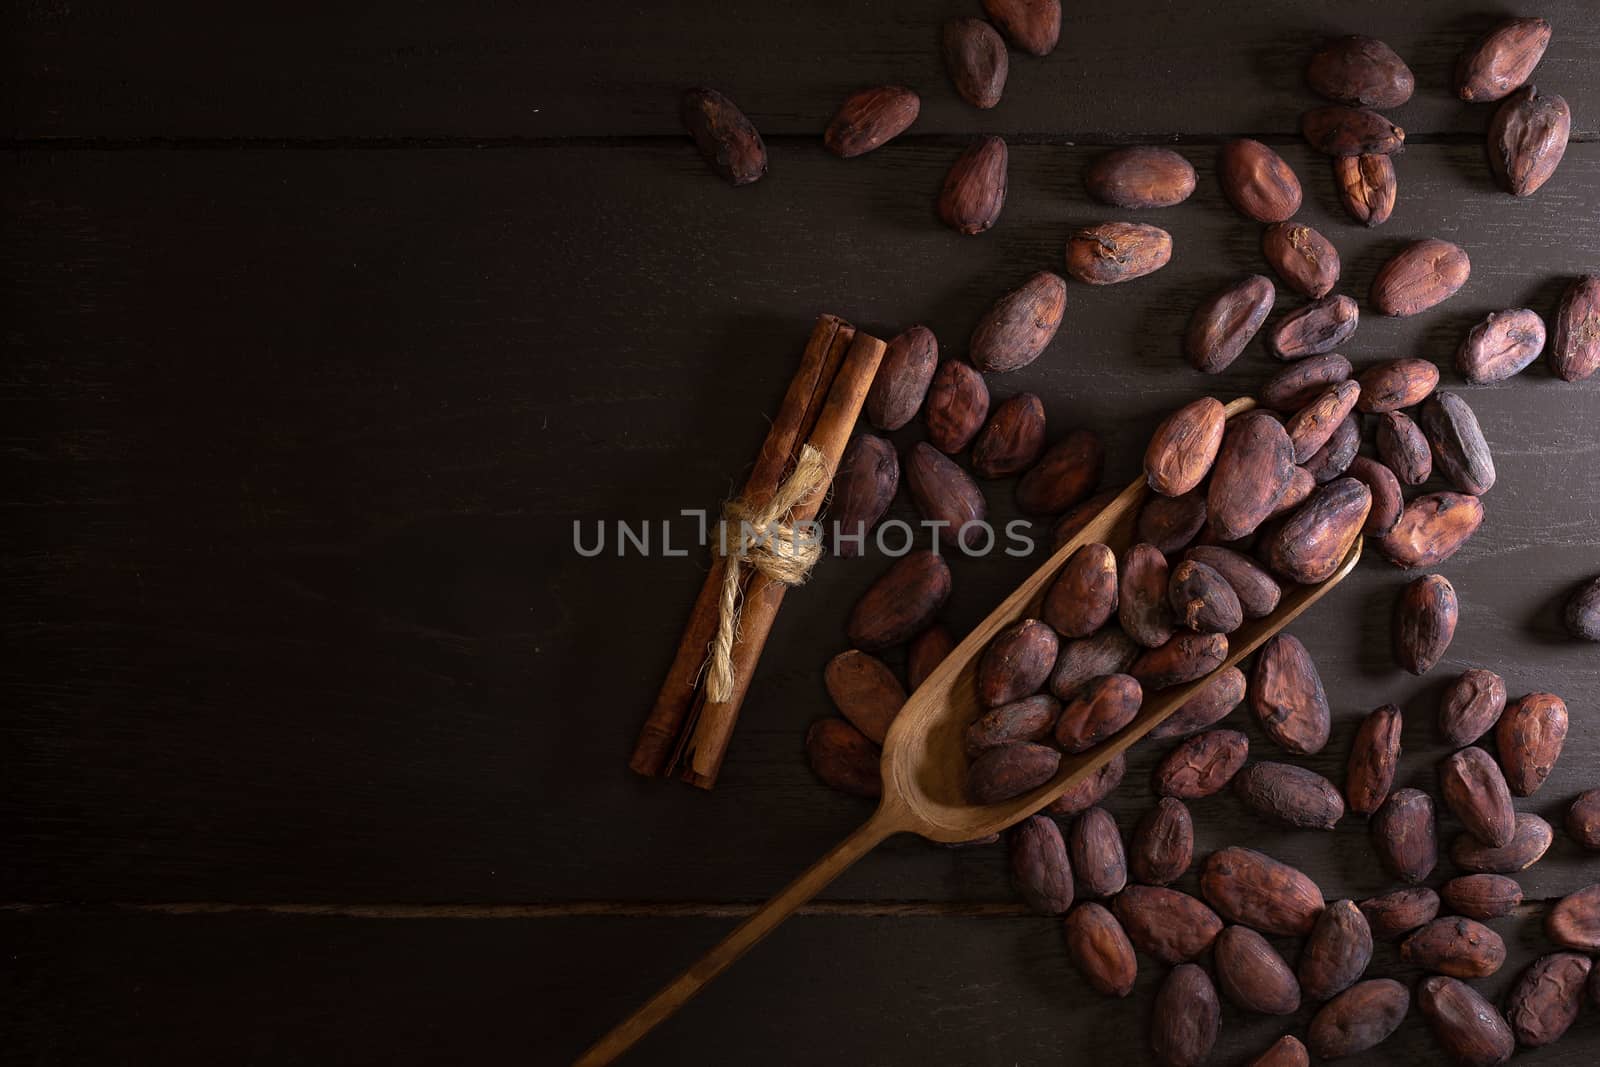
(1287, 697)
(1257, 592)
(1396, 384)
(1224, 324)
(1358, 1019)
(1111, 252)
(1019, 325)
(1100, 950)
(1257, 181)
(1583, 819)
(1460, 452)
(871, 118)
(1318, 327)
(1466, 1026)
(1163, 843)
(1201, 765)
(1544, 1002)
(1392, 915)
(1337, 952)
(1184, 446)
(1475, 790)
(1040, 868)
(1574, 922)
(1095, 847)
(1142, 605)
(1527, 138)
(958, 403)
(1403, 835)
(1425, 622)
(843, 758)
(976, 59)
(1481, 896)
(1031, 25)
(1404, 448)
(1182, 659)
(1387, 501)
(903, 377)
(1575, 344)
(1337, 130)
(1502, 345)
(1374, 757)
(1367, 187)
(1065, 475)
(1311, 427)
(1255, 890)
(1203, 600)
(1252, 974)
(727, 140)
(1029, 719)
(974, 190)
(901, 603)
(1013, 438)
(1091, 790)
(1420, 276)
(1529, 842)
(1305, 260)
(1335, 457)
(1470, 706)
(863, 487)
(1108, 652)
(1287, 1051)
(1582, 614)
(1083, 596)
(1360, 71)
(1071, 523)
(1171, 522)
(865, 691)
(1017, 662)
(944, 493)
(1098, 710)
(1209, 706)
(1502, 60)
(1252, 468)
(1164, 924)
(1187, 1018)
(1432, 529)
(1007, 771)
(1529, 737)
(1290, 795)
(1301, 382)
(1457, 946)
(1140, 178)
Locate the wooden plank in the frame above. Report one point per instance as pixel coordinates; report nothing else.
(295, 442)
(424, 70)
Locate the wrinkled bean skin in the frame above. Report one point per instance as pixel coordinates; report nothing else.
(1206, 708)
(1013, 438)
(1502, 60)
(1337, 952)
(1287, 696)
(1290, 795)
(1530, 840)
(1470, 706)
(1481, 896)
(1425, 622)
(1403, 834)
(1527, 139)
(1167, 925)
(1404, 448)
(1544, 1002)
(1020, 325)
(1257, 181)
(957, 405)
(1529, 738)
(1305, 260)
(1502, 345)
(1466, 1026)
(1221, 327)
(871, 118)
(1475, 790)
(1432, 529)
(1420, 276)
(1459, 947)
(1112, 252)
(1396, 914)
(1338, 130)
(1374, 757)
(1140, 178)
(974, 190)
(1201, 765)
(1575, 341)
(1255, 890)
(1361, 72)
(1303, 381)
(1163, 844)
(1316, 328)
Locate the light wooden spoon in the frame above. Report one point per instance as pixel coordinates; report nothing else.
(925, 762)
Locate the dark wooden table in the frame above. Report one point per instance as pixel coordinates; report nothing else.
(324, 323)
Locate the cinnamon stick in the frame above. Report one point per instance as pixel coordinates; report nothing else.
(662, 733)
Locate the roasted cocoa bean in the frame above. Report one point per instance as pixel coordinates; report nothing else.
(1337, 130)
(1095, 848)
(1471, 704)
(843, 758)
(1072, 523)
(1337, 952)
(1017, 662)
(1100, 950)
(1019, 325)
(974, 190)
(1530, 840)
(1287, 1051)
(1395, 914)
(1575, 345)
(1065, 475)
(1101, 708)
(865, 691)
(1360, 71)
(1187, 1018)
(1419, 276)
(1007, 771)
(1290, 795)
(1404, 448)
(1287, 697)
(1335, 457)
(1298, 384)
(1502, 60)
(1319, 327)
(1305, 260)
(1142, 605)
(946, 495)
(1500, 346)
(1387, 503)
(1476, 792)
(1090, 791)
(1529, 737)
(903, 377)
(1164, 924)
(1544, 1002)
(1481, 896)
(1432, 529)
(1527, 138)
(727, 140)
(1466, 1026)
(927, 651)
(1583, 819)
(863, 487)
(1083, 596)
(1252, 974)
(1163, 843)
(1301, 485)
(1250, 473)
(1582, 614)
(1459, 451)
(901, 603)
(1425, 622)
(1203, 600)
(1108, 652)
(1255, 589)
(1171, 522)
(1396, 384)
(1403, 834)
(958, 402)
(1201, 765)
(1140, 178)
(1459, 947)
(1184, 446)
(1031, 25)
(1040, 868)
(975, 57)
(1374, 756)
(1013, 438)
(1209, 706)
(1182, 659)
(1221, 327)
(1112, 252)
(871, 118)
(1311, 427)
(1029, 719)
(1367, 187)
(1360, 1018)
(1252, 888)
(1257, 181)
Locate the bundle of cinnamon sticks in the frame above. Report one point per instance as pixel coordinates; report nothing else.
(686, 734)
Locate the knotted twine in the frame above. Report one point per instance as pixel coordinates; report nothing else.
(758, 537)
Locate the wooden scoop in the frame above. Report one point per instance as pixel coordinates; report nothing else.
(925, 761)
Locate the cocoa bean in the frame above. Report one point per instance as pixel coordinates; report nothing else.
(863, 487)
(1171, 522)
(1255, 589)
(1101, 708)
(1287, 1051)
(727, 140)
(1360, 71)
(1065, 475)
(901, 603)
(974, 190)
(1575, 345)
(1201, 765)
(1084, 594)
(1253, 889)
(1311, 427)
(1318, 327)
(1335, 457)
(1582, 614)
(1419, 276)
(1163, 843)
(1107, 652)
(1404, 448)
(1544, 1002)
(1257, 181)
(1013, 438)
(1095, 847)
(1530, 840)
(1396, 384)
(865, 691)
(1529, 736)
(1209, 706)
(1367, 187)
(1290, 795)
(1221, 327)
(1253, 975)
(1029, 719)
(1500, 346)
(1466, 1026)
(1112, 252)
(1031, 25)
(1142, 605)
(1100, 950)
(1374, 756)
(1471, 704)
(1337, 952)
(1251, 470)
(1337, 130)
(975, 57)
(1140, 178)
(1502, 60)
(946, 495)
(843, 758)
(1527, 139)
(1164, 924)
(1072, 523)
(1476, 791)
(1459, 451)
(1287, 697)
(1387, 503)
(1090, 791)
(928, 650)
(1007, 771)
(1187, 1018)
(1203, 600)
(1301, 485)
(903, 377)
(1019, 325)
(1298, 384)
(1432, 529)
(871, 118)
(1040, 868)
(1403, 834)
(1583, 819)
(958, 402)
(1184, 446)
(1394, 914)
(1481, 896)
(1305, 260)
(1425, 622)
(1182, 659)
(1017, 662)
